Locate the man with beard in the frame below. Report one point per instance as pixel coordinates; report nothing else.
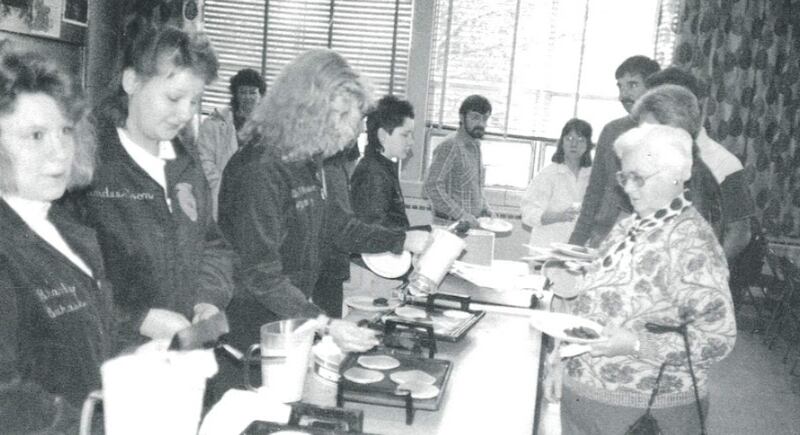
(217, 139)
(604, 198)
(455, 178)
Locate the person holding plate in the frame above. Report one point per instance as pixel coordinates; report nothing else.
(551, 203)
(662, 265)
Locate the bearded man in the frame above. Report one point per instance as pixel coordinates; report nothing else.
(455, 178)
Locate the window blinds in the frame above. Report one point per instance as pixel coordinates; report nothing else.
(373, 35)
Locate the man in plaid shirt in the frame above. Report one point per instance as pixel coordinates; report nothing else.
(455, 179)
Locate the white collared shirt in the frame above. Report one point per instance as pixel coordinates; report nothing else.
(152, 165)
(34, 213)
(719, 160)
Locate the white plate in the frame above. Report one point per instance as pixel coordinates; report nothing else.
(495, 225)
(570, 350)
(575, 251)
(556, 325)
(366, 303)
(388, 264)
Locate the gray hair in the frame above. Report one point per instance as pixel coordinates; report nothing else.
(669, 148)
(672, 105)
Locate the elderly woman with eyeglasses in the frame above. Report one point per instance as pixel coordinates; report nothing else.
(55, 303)
(660, 265)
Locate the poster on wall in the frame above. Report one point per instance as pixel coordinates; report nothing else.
(34, 17)
(76, 12)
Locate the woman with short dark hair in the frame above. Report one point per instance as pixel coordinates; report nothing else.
(552, 202)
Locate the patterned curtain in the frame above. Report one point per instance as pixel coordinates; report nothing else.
(748, 52)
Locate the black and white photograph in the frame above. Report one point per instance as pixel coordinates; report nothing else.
(400, 217)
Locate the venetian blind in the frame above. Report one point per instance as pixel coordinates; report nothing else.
(373, 35)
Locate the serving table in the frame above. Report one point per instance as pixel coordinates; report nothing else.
(492, 388)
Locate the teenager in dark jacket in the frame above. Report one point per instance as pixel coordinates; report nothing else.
(149, 201)
(375, 186)
(273, 194)
(357, 236)
(55, 303)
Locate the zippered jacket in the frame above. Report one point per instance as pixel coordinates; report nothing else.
(55, 325)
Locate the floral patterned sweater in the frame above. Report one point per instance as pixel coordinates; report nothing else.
(663, 268)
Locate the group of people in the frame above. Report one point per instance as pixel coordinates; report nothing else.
(117, 232)
(666, 208)
(113, 232)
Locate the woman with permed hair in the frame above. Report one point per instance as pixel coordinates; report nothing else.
(55, 302)
(149, 201)
(217, 140)
(552, 202)
(273, 195)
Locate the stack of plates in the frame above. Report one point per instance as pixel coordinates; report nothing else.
(327, 358)
(495, 225)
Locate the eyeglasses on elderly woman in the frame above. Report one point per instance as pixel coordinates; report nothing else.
(638, 180)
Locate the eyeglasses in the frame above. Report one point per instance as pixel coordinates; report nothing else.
(624, 177)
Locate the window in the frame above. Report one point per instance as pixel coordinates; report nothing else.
(540, 63)
(374, 36)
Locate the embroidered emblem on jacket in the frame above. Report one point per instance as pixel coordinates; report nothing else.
(59, 300)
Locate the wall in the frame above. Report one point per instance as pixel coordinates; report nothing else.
(105, 18)
(86, 52)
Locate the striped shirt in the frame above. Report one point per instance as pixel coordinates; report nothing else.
(455, 178)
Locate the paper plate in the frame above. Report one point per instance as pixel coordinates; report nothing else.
(495, 225)
(567, 327)
(387, 264)
(367, 303)
(575, 251)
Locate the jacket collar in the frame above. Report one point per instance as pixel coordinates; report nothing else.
(81, 239)
(111, 149)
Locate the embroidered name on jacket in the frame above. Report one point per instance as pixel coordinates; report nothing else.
(305, 196)
(59, 300)
(121, 194)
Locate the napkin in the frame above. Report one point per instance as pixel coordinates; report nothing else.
(238, 408)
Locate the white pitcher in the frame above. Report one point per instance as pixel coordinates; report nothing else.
(152, 392)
